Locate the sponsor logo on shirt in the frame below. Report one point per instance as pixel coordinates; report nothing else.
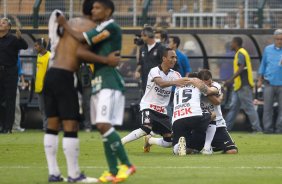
(182, 112)
(162, 92)
(157, 108)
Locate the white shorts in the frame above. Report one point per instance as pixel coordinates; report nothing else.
(107, 106)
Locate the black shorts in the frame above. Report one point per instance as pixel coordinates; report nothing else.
(60, 96)
(222, 141)
(183, 127)
(160, 123)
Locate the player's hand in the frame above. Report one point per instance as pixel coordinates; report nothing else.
(61, 19)
(18, 33)
(228, 82)
(113, 58)
(137, 75)
(182, 82)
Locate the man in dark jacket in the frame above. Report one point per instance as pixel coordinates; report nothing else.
(10, 46)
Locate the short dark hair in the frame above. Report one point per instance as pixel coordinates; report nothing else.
(205, 74)
(165, 51)
(238, 40)
(41, 42)
(108, 4)
(148, 31)
(87, 7)
(176, 40)
(163, 33)
(193, 75)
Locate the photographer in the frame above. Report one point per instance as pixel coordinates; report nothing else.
(149, 55)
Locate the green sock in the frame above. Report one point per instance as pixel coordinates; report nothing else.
(111, 157)
(116, 145)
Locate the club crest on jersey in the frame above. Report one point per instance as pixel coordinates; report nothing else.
(142, 54)
(155, 53)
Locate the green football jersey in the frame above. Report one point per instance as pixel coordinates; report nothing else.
(104, 39)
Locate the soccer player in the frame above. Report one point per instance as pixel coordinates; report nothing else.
(107, 100)
(155, 100)
(187, 113)
(61, 101)
(216, 135)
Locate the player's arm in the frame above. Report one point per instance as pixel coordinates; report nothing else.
(63, 22)
(163, 84)
(203, 87)
(90, 57)
(215, 99)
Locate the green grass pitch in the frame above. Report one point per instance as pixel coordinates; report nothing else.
(22, 161)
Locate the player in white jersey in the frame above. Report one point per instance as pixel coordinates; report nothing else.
(216, 135)
(155, 100)
(187, 113)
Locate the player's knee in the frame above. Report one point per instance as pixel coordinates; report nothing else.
(103, 127)
(146, 129)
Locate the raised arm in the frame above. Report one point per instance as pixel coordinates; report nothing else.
(163, 84)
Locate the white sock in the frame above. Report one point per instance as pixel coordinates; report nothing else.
(51, 147)
(71, 150)
(175, 149)
(209, 136)
(134, 135)
(160, 142)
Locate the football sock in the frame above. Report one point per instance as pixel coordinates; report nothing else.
(209, 136)
(114, 149)
(134, 135)
(160, 142)
(51, 147)
(71, 151)
(175, 149)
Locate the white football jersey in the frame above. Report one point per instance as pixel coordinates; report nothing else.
(208, 106)
(155, 97)
(186, 102)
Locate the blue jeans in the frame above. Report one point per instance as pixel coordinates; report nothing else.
(243, 98)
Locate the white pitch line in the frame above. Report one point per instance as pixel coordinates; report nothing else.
(153, 167)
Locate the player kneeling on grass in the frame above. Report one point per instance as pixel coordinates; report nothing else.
(216, 135)
(187, 113)
(155, 100)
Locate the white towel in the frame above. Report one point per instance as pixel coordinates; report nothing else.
(53, 35)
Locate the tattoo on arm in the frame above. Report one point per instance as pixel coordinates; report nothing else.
(204, 89)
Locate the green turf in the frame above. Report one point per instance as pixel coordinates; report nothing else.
(22, 160)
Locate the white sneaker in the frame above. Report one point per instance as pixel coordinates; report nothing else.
(82, 179)
(207, 151)
(181, 146)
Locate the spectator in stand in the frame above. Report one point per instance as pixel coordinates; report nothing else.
(271, 76)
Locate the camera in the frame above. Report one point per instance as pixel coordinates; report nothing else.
(138, 40)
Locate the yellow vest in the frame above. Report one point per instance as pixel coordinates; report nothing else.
(41, 68)
(237, 80)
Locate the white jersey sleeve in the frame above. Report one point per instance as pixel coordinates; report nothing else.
(155, 97)
(208, 106)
